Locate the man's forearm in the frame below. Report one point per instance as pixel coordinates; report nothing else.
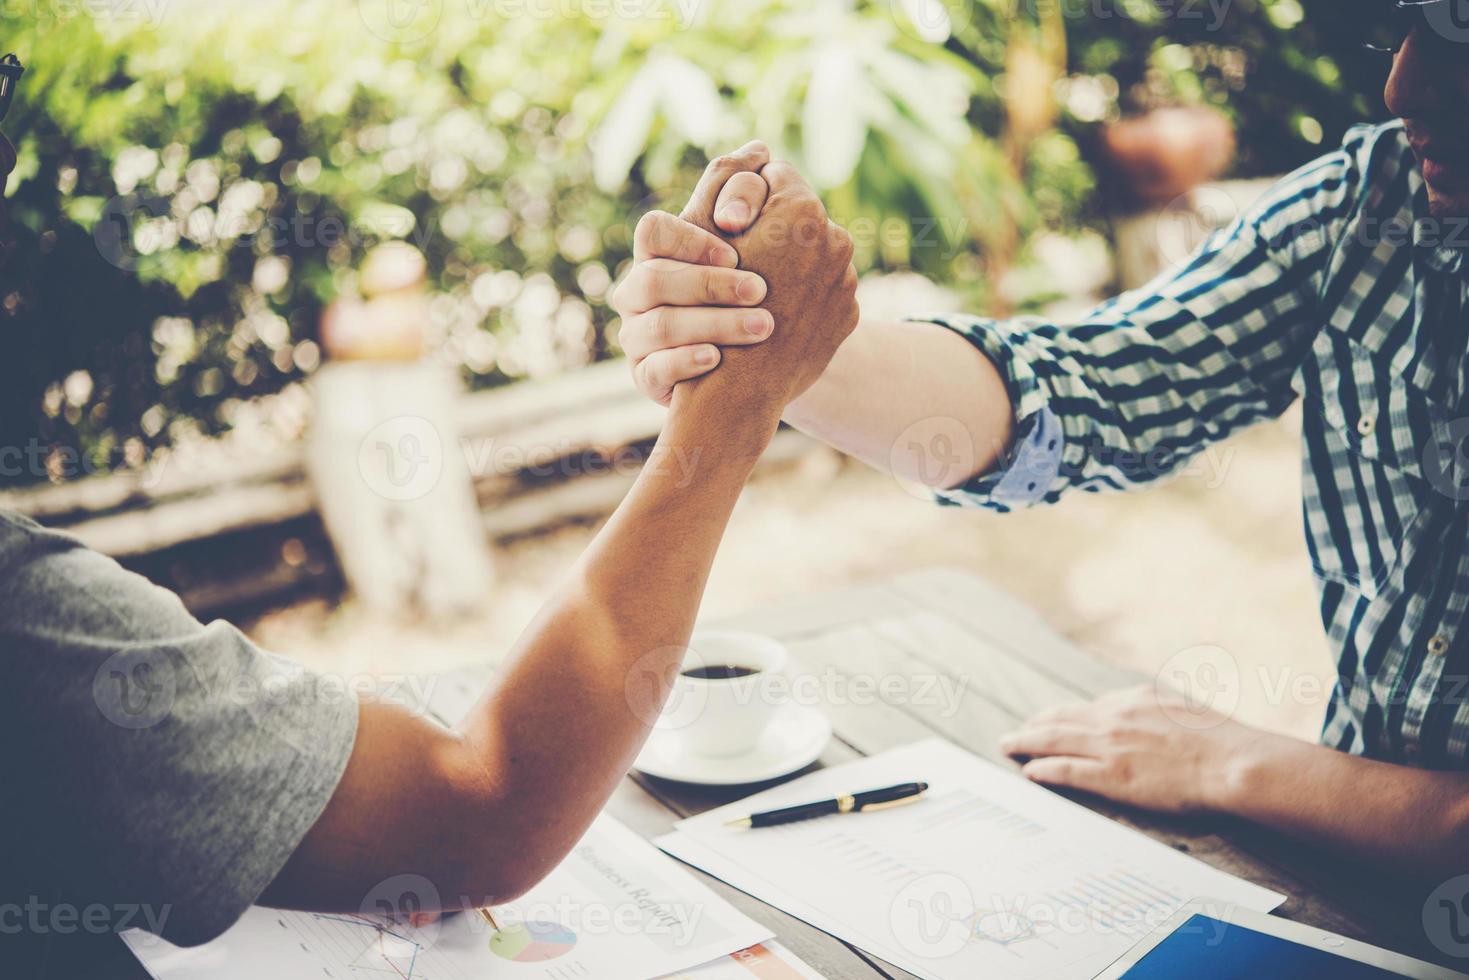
(911, 398)
(485, 812)
(591, 674)
(1394, 816)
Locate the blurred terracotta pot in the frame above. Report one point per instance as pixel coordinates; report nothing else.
(1166, 153)
(389, 323)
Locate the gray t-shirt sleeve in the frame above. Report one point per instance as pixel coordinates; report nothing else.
(167, 766)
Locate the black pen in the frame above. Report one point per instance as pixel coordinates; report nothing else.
(872, 799)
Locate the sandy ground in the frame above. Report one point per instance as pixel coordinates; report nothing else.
(1212, 559)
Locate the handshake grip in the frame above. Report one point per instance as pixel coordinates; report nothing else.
(811, 285)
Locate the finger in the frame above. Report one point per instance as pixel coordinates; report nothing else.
(664, 282)
(1084, 774)
(700, 209)
(782, 178)
(661, 235)
(1061, 713)
(1042, 740)
(1137, 694)
(657, 373)
(740, 202)
(682, 326)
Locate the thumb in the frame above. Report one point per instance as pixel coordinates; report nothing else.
(740, 202)
(700, 209)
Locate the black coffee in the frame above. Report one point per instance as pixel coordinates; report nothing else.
(720, 672)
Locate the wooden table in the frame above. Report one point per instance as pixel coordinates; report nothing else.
(1011, 664)
(944, 622)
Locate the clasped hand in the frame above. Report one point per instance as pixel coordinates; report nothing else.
(753, 278)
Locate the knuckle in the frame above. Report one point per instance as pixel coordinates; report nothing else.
(640, 372)
(656, 283)
(660, 328)
(648, 229)
(654, 374)
(625, 294)
(842, 244)
(812, 217)
(712, 285)
(725, 163)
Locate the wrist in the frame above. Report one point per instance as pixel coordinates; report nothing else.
(724, 416)
(1248, 768)
(740, 409)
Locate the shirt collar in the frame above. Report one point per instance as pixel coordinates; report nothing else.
(1446, 259)
(1429, 234)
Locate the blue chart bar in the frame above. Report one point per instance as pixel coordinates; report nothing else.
(1119, 899)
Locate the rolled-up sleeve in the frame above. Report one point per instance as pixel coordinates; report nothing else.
(1144, 382)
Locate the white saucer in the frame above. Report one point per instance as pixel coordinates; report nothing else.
(794, 740)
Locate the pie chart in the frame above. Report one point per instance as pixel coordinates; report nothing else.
(532, 942)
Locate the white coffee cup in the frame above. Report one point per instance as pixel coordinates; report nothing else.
(723, 716)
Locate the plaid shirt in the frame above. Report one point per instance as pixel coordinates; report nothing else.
(1337, 288)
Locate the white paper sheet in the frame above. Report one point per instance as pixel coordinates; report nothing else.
(989, 875)
(614, 909)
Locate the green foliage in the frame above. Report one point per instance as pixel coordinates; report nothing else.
(193, 190)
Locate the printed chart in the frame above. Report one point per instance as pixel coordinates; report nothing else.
(367, 946)
(615, 909)
(989, 875)
(533, 942)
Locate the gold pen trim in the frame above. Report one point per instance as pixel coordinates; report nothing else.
(892, 803)
(490, 919)
(741, 823)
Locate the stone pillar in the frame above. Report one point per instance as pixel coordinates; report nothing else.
(385, 455)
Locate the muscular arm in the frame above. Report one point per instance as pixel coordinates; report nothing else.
(484, 812)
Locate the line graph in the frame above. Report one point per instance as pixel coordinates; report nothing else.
(366, 947)
(614, 909)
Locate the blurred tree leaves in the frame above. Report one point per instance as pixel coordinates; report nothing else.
(194, 186)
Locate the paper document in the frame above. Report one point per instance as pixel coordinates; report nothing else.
(988, 876)
(614, 909)
(767, 961)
